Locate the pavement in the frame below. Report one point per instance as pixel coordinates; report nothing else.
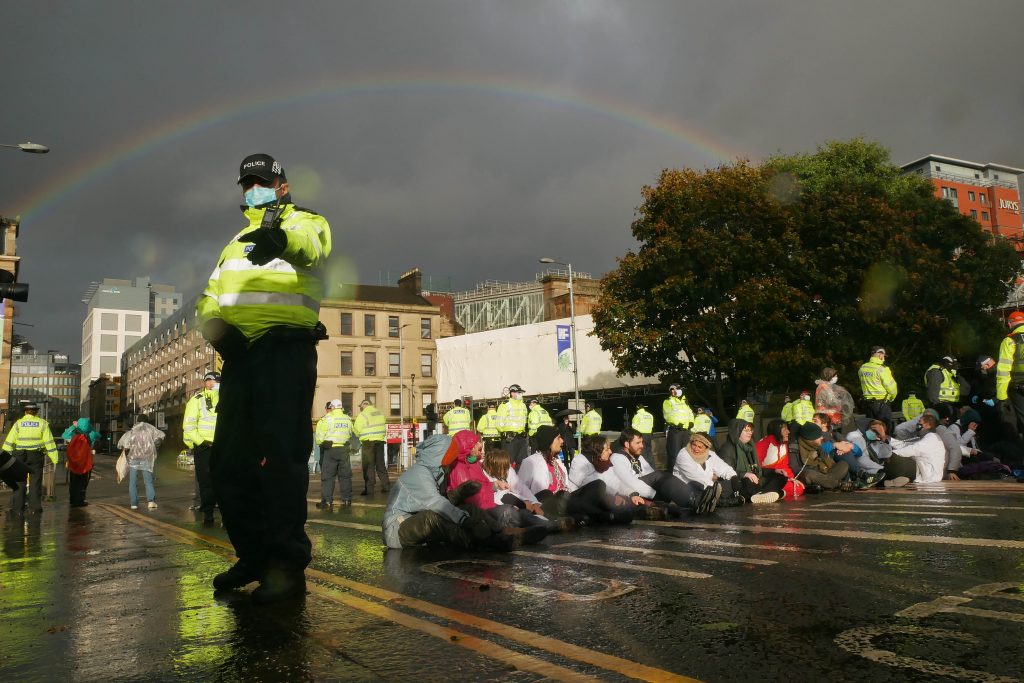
(922, 584)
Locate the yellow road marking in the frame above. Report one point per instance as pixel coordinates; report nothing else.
(339, 506)
(349, 525)
(667, 553)
(616, 565)
(531, 639)
(868, 535)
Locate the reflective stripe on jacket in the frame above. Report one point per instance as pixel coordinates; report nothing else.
(677, 412)
(31, 433)
(457, 419)
(371, 425)
(876, 381)
(200, 421)
(335, 426)
(643, 421)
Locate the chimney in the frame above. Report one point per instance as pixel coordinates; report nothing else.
(412, 281)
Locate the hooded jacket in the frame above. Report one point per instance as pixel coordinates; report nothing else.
(463, 471)
(81, 426)
(141, 442)
(742, 457)
(418, 489)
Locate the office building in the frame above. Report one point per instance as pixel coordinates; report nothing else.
(49, 380)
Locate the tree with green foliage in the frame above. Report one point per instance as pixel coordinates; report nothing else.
(760, 275)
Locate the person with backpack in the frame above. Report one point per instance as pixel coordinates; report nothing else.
(80, 438)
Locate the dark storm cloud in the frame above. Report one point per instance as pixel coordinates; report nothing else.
(523, 129)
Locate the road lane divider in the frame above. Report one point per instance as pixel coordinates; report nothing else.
(900, 512)
(662, 536)
(601, 545)
(538, 641)
(615, 565)
(355, 504)
(613, 588)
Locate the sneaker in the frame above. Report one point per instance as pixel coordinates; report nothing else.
(869, 480)
(709, 499)
(761, 498)
(135, 507)
(896, 482)
(238, 576)
(847, 487)
(153, 505)
(323, 505)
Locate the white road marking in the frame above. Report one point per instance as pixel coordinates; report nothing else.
(956, 506)
(842, 533)
(338, 506)
(756, 546)
(903, 512)
(667, 553)
(612, 587)
(616, 565)
(782, 517)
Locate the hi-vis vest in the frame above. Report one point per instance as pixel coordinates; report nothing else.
(591, 423)
(335, 426)
(457, 419)
(702, 424)
(1011, 362)
(487, 425)
(912, 408)
(200, 421)
(677, 412)
(876, 381)
(512, 416)
(285, 291)
(949, 390)
(371, 425)
(537, 418)
(643, 421)
(31, 433)
(803, 411)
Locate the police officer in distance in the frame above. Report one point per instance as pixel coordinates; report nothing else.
(260, 312)
(678, 419)
(333, 432)
(457, 419)
(371, 428)
(487, 427)
(643, 422)
(198, 429)
(512, 416)
(943, 384)
(28, 442)
(1010, 375)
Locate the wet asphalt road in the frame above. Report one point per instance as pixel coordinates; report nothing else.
(918, 585)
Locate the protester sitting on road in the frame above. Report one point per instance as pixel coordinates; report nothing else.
(833, 400)
(928, 453)
(773, 452)
(639, 477)
(869, 452)
(141, 443)
(595, 463)
(417, 513)
(507, 490)
(704, 473)
(815, 468)
(754, 484)
(546, 478)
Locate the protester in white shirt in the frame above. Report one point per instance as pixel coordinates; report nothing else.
(928, 452)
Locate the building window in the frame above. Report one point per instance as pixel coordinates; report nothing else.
(372, 398)
(346, 401)
(938, 168)
(424, 328)
(133, 323)
(346, 324)
(974, 214)
(978, 176)
(984, 199)
(396, 405)
(426, 365)
(984, 215)
(996, 176)
(108, 343)
(393, 326)
(108, 322)
(346, 362)
(970, 195)
(370, 325)
(394, 365)
(949, 193)
(370, 363)
(427, 398)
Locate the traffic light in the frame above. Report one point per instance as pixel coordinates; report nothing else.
(9, 289)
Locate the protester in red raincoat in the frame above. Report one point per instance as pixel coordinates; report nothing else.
(773, 452)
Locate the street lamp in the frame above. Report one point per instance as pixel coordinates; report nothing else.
(401, 391)
(30, 147)
(572, 341)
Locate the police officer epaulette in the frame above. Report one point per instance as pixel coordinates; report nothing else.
(305, 210)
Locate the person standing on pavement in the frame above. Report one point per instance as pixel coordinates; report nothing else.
(260, 311)
(537, 417)
(28, 442)
(79, 459)
(745, 412)
(590, 424)
(457, 419)
(912, 407)
(943, 384)
(678, 418)
(643, 422)
(787, 410)
(878, 386)
(1010, 375)
(512, 416)
(371, 427)
(141, 444)
(198, 428)
(333, 432)
(487, 427)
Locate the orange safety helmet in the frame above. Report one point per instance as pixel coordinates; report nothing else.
(1015, 318)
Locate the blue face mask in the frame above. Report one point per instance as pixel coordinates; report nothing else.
(258, 195)
(871, 435)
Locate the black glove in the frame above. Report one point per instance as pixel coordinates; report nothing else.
(268, 244)
(324, 445)
(226, 339)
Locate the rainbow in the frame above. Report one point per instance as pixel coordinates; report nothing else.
(146, 141)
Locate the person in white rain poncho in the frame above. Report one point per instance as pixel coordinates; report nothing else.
(140, 443)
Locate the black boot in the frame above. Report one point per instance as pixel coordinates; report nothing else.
(239, 576)
(280, 584)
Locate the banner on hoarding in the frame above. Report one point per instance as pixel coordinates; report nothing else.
(563, 339)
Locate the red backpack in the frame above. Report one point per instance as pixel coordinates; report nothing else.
(79, 454)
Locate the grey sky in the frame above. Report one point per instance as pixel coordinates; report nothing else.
(466, 138)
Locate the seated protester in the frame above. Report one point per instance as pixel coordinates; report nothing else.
(974, 464)
(813, 466)
(508, 491)
(755, 484)
(417, 513)
(595, 464)
(872, 444)
(773, 454)
(822, 420)
(544, 476)
(639, 478)
(927, 453)
(704, 474)
(467, 467)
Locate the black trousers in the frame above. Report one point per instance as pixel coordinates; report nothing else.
(517, 447)
(77, 484)
(671, 489)
(877, 409)
(768, 482)
(335, 464)
(373, 461)
(261, 450)
(647, 448)
(675, 440)
(201, 456)
(33, 460)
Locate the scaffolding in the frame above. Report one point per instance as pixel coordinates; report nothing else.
(494, 304)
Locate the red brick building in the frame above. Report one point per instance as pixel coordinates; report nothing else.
(988, 193)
